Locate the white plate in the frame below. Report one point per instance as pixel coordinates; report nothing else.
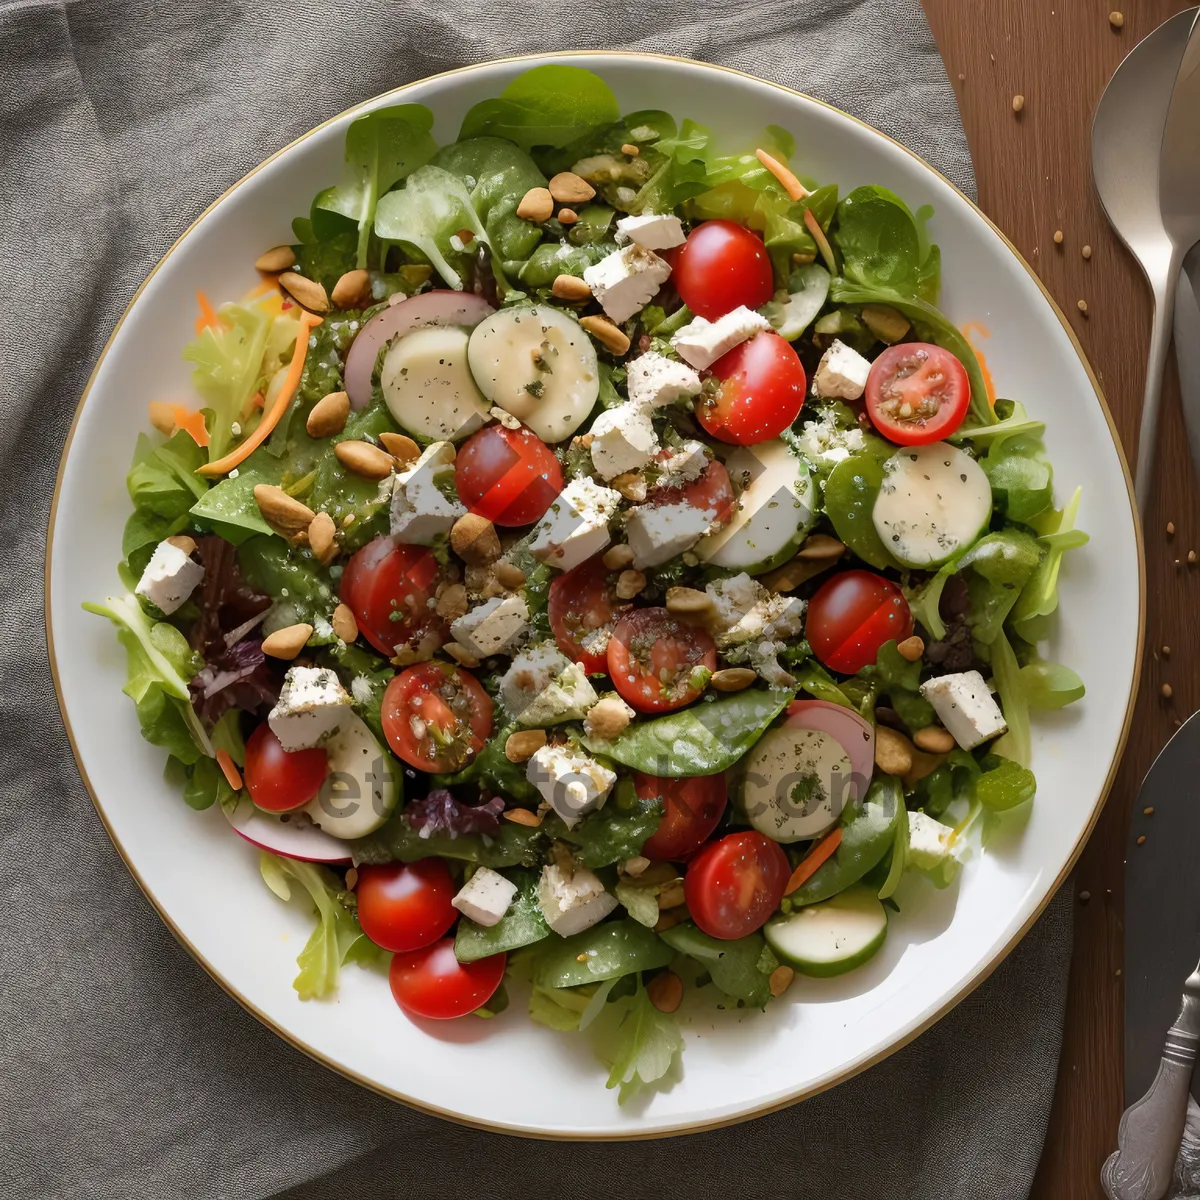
(524, 1078)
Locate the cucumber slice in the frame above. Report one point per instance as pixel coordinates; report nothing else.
(808, 289)
(428, 385)
(832, 937)
(796, 783)
(934, 501)
(538, 364)
(362, 788)
(773, 515)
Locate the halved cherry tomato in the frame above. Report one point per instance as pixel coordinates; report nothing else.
(432, 983)
(390, 590)
(761, 393)
(436, 717)
(653, 659)
(852, 616)
(509, 476)
(583, 607)
(711, 491)
(404, 906)
(279, 780)
(692, 809)
(917, 393)
(720, 266)
(734, 885)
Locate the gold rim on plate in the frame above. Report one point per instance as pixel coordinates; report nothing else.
(852, 1069)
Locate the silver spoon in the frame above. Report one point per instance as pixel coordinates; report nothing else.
(1126, 138)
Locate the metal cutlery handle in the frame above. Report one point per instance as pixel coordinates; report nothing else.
(1163, 288)
(1187, 352)
(1152, 1128)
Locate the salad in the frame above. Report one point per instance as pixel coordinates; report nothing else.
(594, 570)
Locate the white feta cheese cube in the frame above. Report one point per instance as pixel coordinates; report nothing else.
(684, 465)
(744, 611)
(575, 526)
(544, 687)
(623, 439)
(572, 900)
(485, 897)
(702, 342)
(928, 841)
(658, 532)
(841, 374)
(655, 231)
(655, 380)
(626, 280)
(965, 706)
(424, 502)
(311, 706)
(492, 627)
(572, 783)
(170, 578)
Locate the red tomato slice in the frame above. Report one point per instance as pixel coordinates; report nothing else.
(692, 809)
(917, 393)
(734, 885)
(653, 656)
(761, 393)
(436, 717)
(583, 607)
(404, 906)
(432, 983)
(279, 780)
(509, 476)
(852, 616)
(721, 266)
(390, 589)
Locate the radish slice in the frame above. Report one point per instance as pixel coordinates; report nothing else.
(297, 837)
(429, 308)
(856, 735)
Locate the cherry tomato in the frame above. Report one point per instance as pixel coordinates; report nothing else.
(917, 393)
(653, 657)
(692, 809)
(733, 885)
(582, 608)
(720, 266)
(432, 983)
(436, 717)
(509, 476)
(279, 780)
(404, 906)
(852, 616)
(390, 590)
(761, 393)
(710, 491)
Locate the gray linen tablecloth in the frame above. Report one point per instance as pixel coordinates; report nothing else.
(124, 1070)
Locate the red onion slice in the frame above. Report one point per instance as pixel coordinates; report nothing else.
(855, 735)
(297, 837)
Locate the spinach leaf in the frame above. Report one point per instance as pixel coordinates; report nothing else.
(324, 258)
(1012, 421)
(701, 740)
(605, 951)
(229, 508)
(736, 966)
(615, 833)
(1020, 475)
(204, 784)
(522, 925)
(882, 244)
(900, 681)
(397, 841)
(812, 678)
(552, 259)
(492, 768)
(302, 588)
(850, 494)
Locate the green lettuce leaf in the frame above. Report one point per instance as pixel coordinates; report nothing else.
(163, 485)
(1017, 743)
(740, 968)
(639, 1044)
(1004, 784)
(1039, 597)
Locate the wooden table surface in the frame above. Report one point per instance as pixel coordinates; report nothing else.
(1034, 173)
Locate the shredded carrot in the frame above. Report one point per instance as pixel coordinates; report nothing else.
(270, 419)
(812, 860)
(208, 318)
(264, 288)
(791, 184)
(255, 401)
(229, 770)
(814, 227)
(972, 331)
(193, 422)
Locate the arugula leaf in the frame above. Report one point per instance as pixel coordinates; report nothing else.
(227, 361)
(642, 1046)
(606, 951)
(382, 147)
(522, 925)
(701, 740)
(736, 966)
(163, 486)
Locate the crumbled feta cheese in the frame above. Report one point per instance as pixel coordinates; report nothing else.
(493, 627)
(928, 841)
(655, 380)
(966, 707)
(311, 706)
(626, 280)
(544, 687)
(658, 532)
(702, 342)
(684, 465)
(572, 783)
(841, 374)
(652, 230)
(623, 439)
(485, 897)
(424, 502)
(170, 578)
(746, 611)
(575, 526)
(572, 900)
(824, 443)
(360, 689)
